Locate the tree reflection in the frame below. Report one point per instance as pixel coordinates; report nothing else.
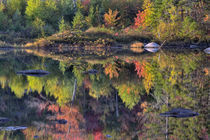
(135, 88)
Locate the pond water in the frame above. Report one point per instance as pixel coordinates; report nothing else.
(103, 94)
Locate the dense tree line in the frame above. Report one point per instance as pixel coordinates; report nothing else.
(163, 18)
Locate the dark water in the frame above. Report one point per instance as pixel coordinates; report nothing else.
(104, 94)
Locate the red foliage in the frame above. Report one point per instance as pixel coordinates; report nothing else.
(140, 19)
(85, 2)
(140, 68)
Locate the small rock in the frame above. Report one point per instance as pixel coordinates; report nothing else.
(179, 113)
(152, 45)
(207, 50)
(193, 46)
(37, 73)
(4, 120)
(152, 49)
(62, 121)
(108, 136)
(36, 136)
(91, 71)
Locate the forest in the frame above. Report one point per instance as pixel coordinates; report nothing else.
(109, 20)
(101, 81)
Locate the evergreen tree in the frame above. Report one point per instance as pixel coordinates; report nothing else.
(78, 21)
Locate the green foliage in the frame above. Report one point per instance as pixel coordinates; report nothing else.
(3, 21)
(79, 21)
(190, 29)
(14, 5)
(63, 25)
(67, 9)
(90, 19)
(166, 31)
(46, 11)
(100, 86)
(3, 18)
(129, 93)
(38, 24)
(2, 6)
(17, 21)
(164, 19)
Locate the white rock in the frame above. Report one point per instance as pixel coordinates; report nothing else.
(150, 49)
(152, 45)
(207, 50)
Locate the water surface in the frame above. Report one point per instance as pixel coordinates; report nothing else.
(121, 99)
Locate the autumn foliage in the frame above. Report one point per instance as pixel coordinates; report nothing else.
(112, 70)
(140, 19)
(140, 69)
(111, 18)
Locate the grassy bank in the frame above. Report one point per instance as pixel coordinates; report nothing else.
(12, 39)
(103, 37)
(93, 37)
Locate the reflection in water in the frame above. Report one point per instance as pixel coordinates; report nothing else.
(179, 113)
(152, 49)
(135, 88)
(37, 73)
(207, 50)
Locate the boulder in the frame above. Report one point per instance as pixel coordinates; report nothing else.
(207, 50)
(152, 45)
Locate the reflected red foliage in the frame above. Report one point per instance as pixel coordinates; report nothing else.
(140, 69)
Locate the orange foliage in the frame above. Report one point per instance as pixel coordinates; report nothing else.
(144, 106)
(206, 71)
(73, 117)
(140, 68)
(140, 19)
(111, 18)
(206, 18)
(111, 70)
(70, 131)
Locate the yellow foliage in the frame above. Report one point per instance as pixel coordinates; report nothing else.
(173, 74)
(148, 80)
(148, 10)
(111, 18)
(111, 70)
(39, 43)
(137, 44)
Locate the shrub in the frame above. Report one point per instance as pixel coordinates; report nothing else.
(78, 21)
(140, 20)
(91, 16)
(190, 29)
(3, 21)
(48, 29)
(67, 9)
(17, 21)
(38, 24)
(14, 5)
(46, 11)
(111, 18)
(166, 31)
(63, 25)
(3, 18)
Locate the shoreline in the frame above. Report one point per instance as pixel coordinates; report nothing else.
(70, 39)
